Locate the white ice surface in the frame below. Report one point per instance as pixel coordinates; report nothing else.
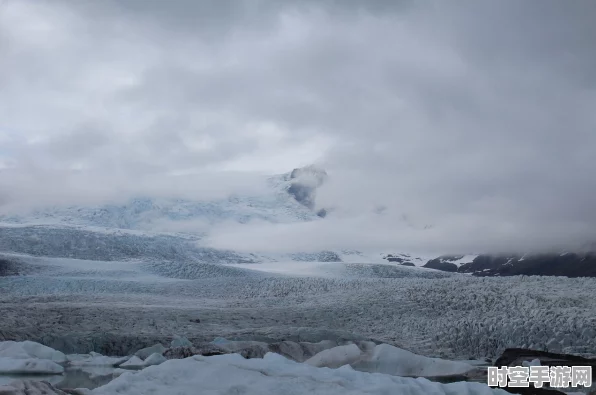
(464, 259)
(387, 359)
(29, 366)
(29, 349)
(155, 359)
(95, 360)
(309, 269)
(133, 363)
(232, 374)
(472, 317)
(336, 357)
(396, 361)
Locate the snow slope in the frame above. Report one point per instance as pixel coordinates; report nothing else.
(155, 229)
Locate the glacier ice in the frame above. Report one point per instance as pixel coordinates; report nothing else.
(155, 359)
(384, 358)
(273, 374)
(95, 359)
(29, 349)
(146, 352)
(398, 362)
(335, 357)
(28, 387)
(29, 366)
(179, 341)
(133, 363)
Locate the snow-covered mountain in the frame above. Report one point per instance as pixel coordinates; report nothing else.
(172, 230)
(165, 229)
(275, 204)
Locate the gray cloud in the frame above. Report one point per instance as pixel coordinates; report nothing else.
(474, 116)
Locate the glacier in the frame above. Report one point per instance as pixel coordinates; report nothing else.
(157, 230)
(114, 279)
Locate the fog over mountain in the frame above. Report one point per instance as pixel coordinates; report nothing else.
(443, 127)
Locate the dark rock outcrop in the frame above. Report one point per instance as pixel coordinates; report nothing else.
(441, 264)
(12, 266)
(566, 264)
(322, 213)
(404, 259)
(8, 268)
(483, 264)
(305, 182)
(304, 194)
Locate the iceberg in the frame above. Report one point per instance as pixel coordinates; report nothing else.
(133, 363)
(399, 362)
(155, 359)
(274, 374)
(336, 357)
(29, 366)
(95, 359)
(146, 352)
(29, 349)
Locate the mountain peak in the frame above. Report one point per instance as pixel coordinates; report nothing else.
(309, 175)
(304, 183)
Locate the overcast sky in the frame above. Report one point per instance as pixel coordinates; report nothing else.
(475, 117)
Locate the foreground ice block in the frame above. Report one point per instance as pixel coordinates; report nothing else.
(274, 374)
(29, 366)
(29, 349)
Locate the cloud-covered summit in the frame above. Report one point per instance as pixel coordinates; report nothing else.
(476, 117)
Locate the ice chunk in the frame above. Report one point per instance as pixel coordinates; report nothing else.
(248, 349)
(220, 340)
(336, 357)
(274, 374)
(155, 359)
(28, 387)
(180, 342)
(146, 352)
(387, 359)
(95, 359)
(29, 366)
(398, 362)
(289, 349)
(133, 363)
(29, 349)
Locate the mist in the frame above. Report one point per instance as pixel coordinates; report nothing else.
(444, 127)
